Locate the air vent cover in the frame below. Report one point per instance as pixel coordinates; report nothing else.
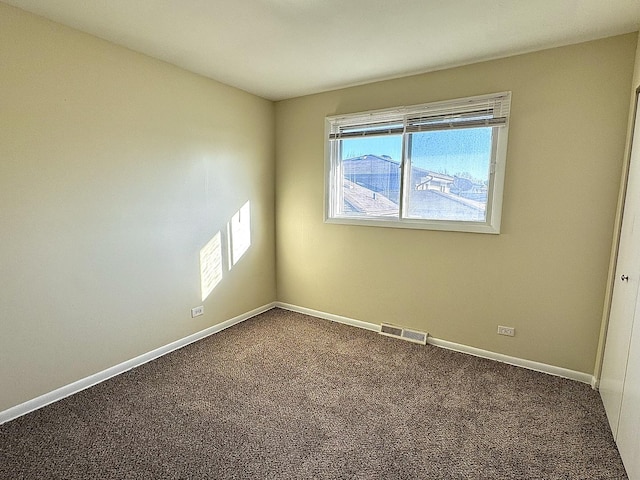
(403, 333)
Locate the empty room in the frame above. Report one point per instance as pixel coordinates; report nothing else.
(295, 239)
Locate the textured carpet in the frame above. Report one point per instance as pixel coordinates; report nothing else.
(287, 396)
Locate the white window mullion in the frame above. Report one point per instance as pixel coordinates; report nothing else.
(406, 169)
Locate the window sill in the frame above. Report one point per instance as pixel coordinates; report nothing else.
(438, 225)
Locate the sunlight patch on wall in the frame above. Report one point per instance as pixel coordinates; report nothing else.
(211, 265)
(239, 231)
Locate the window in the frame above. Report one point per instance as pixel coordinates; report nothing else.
(436, 166)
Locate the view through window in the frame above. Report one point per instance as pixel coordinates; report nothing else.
(434, 166)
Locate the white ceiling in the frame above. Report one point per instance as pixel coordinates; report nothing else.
(286, 48)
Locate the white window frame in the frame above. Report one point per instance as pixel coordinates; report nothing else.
(402, 120)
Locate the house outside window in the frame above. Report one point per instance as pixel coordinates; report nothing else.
(436, 166)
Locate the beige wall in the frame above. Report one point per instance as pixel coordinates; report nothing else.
(545, 274)
(636, 70)
(115, 170)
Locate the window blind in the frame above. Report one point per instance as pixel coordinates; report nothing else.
(482, 111)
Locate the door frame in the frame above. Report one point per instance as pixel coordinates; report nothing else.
(615, 246)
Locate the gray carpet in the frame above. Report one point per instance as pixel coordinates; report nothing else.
(287, 396)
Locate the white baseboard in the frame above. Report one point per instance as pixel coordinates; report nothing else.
(91, 380)
(84, 383)
(329, 316)
(518, 362)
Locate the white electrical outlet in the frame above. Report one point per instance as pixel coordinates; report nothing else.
(508, 331)
(197, 311)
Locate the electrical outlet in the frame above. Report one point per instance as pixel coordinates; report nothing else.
(508, 331)
(197, 311)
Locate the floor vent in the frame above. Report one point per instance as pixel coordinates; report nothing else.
(403, 333)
